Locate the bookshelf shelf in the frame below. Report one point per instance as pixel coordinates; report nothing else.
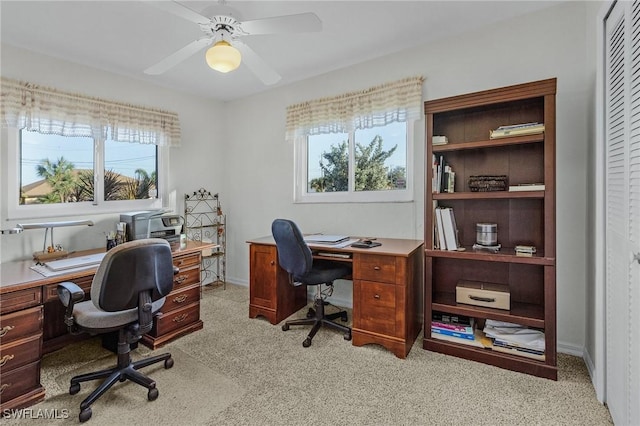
(490, 143)
(488, 195)
(522, 217)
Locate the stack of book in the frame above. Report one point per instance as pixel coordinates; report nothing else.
(516, 130)
(443, 176)
(457, 329)
(515, 339)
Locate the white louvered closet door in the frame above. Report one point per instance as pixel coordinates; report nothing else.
(623, 212)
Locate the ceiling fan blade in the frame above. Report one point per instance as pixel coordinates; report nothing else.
(180, 10)
(256, 64)
(300, 23)
(178, 56)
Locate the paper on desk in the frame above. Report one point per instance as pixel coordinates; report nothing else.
(343, 244)
(43, 270)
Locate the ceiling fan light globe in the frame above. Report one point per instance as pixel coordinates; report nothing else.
(223, 57)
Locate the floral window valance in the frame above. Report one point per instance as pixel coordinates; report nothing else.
(29, 106)
(377, 106)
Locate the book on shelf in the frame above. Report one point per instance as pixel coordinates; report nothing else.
(526, 187)
(519, 352)
(479, 339)
(452, 318)
(452, 326)
(446, 229)
(439, 140)
(453, 333)
(516, 130)
(442, 245)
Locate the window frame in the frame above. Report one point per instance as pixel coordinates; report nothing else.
(11, 181)
(351, 196)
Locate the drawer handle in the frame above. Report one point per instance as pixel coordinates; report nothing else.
(180, 299)
(180, 318)
(6, 329)
(6, 359)
(273, 263)
(4, 386)
(482, 299)
(376, 296)
(376, 268)
(180, 278)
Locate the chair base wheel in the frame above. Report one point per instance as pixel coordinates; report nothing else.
(347, 336)
(311, 313)
(74, 389)
(344, 317)
(306, 343)
(85, 415)
(168, 363)
(285, 327)
(153, 394)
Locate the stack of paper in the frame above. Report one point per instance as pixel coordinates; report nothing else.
(515, 339)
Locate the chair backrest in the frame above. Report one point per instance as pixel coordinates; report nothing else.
(294, 255)
(126, 270)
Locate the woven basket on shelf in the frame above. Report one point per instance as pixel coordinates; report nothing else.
(483, 183)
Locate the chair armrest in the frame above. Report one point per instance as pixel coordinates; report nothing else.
(70, 293)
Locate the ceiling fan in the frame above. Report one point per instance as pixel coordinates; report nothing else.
(224, 32)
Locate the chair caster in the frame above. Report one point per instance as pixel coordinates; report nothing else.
(311, 313)
(168, 363)
(347, 336)
(344, 317)
(74, 389)
(153, 394)
(285, 327)
(306, 343)
(85, 415)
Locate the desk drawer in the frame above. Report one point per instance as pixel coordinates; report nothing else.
(172, 320)
(185, 278)
(19, 381)
(51, 291)
(16, 300)
(375, 268)
(377, 303)
(20, 324)
(187, 260)
(19, 353)
(180, 298)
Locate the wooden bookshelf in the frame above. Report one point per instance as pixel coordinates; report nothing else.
(522, 217)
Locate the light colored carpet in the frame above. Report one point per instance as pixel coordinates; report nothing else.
(241, 371)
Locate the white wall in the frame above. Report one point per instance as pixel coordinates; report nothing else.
(549, 43)
(193, 165)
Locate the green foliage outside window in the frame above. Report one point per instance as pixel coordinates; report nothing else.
(371, 174)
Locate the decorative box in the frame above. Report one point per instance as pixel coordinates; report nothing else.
(485, 183)
(478, 293)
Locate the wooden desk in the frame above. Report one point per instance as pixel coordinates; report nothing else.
(387, 290)
(31, 319)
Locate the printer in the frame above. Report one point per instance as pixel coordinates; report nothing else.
(152, 224)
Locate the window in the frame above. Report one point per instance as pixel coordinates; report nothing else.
(58, 169)
(52, 171)
(367, 160)
(67, 149)
(356, 147)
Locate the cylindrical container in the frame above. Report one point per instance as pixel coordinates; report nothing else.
(487, 234)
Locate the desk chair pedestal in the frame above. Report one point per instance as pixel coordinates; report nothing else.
(318, 318)
(125, 370)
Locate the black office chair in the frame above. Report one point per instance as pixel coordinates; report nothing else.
(129, 287)
(294, 256)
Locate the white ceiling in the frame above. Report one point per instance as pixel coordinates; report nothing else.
(127, 37)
